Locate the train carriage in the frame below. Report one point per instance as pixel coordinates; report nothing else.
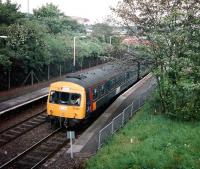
(79, 95)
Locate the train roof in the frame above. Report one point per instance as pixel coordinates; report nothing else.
(99, 74)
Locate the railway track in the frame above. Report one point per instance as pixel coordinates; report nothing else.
(39, 152)
(22, 127)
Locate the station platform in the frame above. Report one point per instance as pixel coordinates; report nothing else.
(87, 143)
(14, 103)
(11, 100)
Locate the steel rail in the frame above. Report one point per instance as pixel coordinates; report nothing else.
(29, 149)
(26, 129)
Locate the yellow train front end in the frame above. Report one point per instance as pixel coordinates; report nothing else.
(66, 102)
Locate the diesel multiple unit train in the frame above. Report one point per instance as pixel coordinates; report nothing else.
(79, 95)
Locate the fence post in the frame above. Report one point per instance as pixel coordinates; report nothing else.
(112, 127)
(123, 118)
(31, 77)
(60, 71)
(132, 110)
(139, 102)
(9, 79)
(99, 145)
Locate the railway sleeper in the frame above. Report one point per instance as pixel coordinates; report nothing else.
(33, 122)
(21, 128)
(43, 117)
(27, 125)
(15, 131)
(47, 148)
(27, 162)
(35, 157)
(7, 136)
(38, 120)
(2, 141)
(39, 153)
(42, 152)
(56, 142)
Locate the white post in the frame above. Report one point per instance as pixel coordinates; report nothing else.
(74, 61)
(110, 40)
(71, 144)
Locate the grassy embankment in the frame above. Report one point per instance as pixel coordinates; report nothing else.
(157, 143)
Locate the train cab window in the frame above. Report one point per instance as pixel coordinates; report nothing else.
(54, 97)
(75, 99)
(65, 98)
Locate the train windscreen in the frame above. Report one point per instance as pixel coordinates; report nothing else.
(65, 98)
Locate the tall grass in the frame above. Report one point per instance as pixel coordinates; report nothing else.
(151, 142)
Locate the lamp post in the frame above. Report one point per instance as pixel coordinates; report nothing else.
(74, 60)
(110, 40)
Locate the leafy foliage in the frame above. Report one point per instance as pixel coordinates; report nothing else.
(48, 10)
(42, 40)
(102, 31)
(173, 29)
(9, 12)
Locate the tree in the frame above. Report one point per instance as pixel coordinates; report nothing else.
(103, 31)
(9, 13)
(172, 26)
(26, 46)
(48, 10)
(56, 21)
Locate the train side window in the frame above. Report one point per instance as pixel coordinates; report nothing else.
(98, 91)
(107, 86)
(117, 80)
(95, 94)
(127, 75)
(102, 89)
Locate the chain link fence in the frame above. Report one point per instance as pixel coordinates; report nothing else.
(18, 75)
(120, 120)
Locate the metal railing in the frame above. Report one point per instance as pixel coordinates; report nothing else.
(120, 120)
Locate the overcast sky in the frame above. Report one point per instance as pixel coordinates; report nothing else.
(94, 10)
